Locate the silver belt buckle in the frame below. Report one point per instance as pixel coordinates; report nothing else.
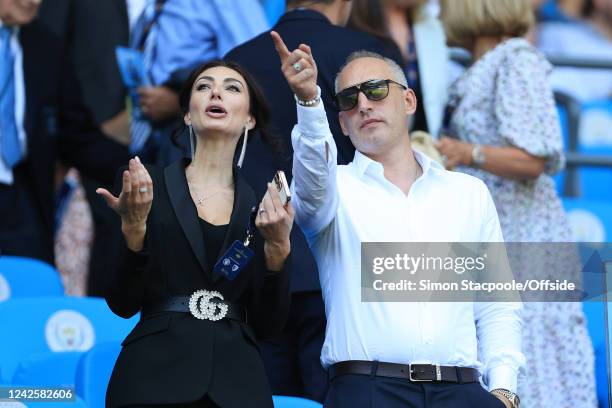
(202, 308)
(438, 373)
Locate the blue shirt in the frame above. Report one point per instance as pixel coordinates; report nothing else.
(189, 32)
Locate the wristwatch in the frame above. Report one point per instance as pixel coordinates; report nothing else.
(478, 157)
(509, 395)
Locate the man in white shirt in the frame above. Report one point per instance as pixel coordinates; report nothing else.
(390, 354)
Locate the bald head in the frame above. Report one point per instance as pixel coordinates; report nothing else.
(373, 63)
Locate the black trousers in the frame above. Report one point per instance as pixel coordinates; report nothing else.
(364, 391)
(293, 359)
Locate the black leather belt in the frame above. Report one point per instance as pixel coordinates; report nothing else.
(411, 372)
(181, 304)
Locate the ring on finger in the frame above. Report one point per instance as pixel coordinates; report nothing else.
(297, 67)
(262, 210)
(143, 189)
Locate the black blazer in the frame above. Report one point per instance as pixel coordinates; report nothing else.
(172, 357)
(99, 27)
(58, 126)
(331, 45)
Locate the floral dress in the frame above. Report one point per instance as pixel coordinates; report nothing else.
(505, 100)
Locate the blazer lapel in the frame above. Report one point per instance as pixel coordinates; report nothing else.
(185, 210)
(244, 200)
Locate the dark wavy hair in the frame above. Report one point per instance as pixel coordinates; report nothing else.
(258, 106)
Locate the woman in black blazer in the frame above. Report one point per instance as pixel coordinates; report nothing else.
(190, 348)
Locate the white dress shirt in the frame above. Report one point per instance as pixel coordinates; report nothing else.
(6, 173)
(339, 207)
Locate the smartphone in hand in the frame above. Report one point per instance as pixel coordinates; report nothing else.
(280, 183)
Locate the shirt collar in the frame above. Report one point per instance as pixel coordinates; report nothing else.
(13, 29)
(363, 162)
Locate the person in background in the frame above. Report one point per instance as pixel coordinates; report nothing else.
(412, 27)
(86, 239)
(293, 359)
(588, 36)
(506, 132)
(174, 37)
(561, 11)
(42, 120)
(195, 345)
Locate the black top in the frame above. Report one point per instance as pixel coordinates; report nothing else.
(214, 235)
(174, 358)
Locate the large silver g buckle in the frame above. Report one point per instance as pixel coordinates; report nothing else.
(204, 309)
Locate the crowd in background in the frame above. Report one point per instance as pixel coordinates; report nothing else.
(579, 29)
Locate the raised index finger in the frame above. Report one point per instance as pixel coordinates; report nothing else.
(280, 46)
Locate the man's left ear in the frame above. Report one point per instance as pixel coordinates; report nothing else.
(410, 102)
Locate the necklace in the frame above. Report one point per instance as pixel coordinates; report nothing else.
(201, 199)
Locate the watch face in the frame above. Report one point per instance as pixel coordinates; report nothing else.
(513, 399)
(478, 155)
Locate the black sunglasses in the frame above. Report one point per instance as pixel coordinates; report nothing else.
(374, 90)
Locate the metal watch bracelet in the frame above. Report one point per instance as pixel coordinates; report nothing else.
(509, 395)
(478, 157)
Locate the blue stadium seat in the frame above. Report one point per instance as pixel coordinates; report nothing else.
(21, 277)
(591, 220)
(595, 138)
(595, 315)
(38, 325)
(94, 371)
(294, 402)
(48, 369)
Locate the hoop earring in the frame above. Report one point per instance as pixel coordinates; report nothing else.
(244, 145)
(192, 143)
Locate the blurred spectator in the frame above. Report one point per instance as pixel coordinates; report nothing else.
(74, 236)
(274, 9)
(42, 119)
(507, 133)
(560, 10)
(176, 36)
(98, 27)
(134, 9)
(293, 359)
(587, 37)
(412, 27)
